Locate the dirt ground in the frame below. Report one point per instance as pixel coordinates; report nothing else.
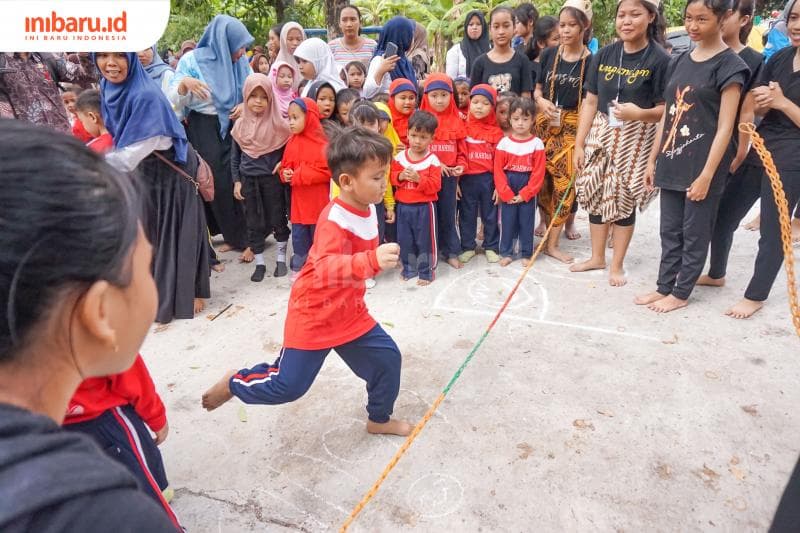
(581, 412)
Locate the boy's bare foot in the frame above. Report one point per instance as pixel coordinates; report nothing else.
(247, 256)
(744, 309)
(219, 393)
(225, 248)
(708, 281)
(504, 262)
(392, 427)
(796, 230)
(199, 305)
(406, 278)
(754, 224)
(540, 229)
(616, 277)
(455, 263)
(572, 233)
(219, 267)
(558, 254)
(667, 304)
(647, 299)
(423, 282)
(590, 264)
(526, 261)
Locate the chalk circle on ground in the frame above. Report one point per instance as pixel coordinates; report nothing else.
(339, 442)
(435, 495)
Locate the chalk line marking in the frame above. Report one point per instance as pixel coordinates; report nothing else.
(374, 449)
(429, 500)
(326, 463)
(309, 491)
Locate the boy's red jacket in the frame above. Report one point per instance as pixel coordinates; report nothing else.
(133, 387)
(525, 156)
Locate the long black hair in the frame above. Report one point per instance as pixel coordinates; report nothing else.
(745, 8)
(657, 29)
(68, 220)
(541, 32)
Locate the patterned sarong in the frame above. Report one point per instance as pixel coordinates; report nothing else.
(559, 147)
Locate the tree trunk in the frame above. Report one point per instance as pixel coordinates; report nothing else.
(332, 8)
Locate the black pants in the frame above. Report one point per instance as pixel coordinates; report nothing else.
(741, 192)
(265, 210)
(629, 220)
(686, 228)
(770, 251)
(787, 516)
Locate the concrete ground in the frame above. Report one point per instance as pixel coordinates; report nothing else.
(581, 412)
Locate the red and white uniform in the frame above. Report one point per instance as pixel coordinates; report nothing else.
(452, 153)
(429, 169)
(480, 156)
(525, 156)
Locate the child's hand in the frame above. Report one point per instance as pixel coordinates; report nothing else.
(287, 175)
(237, 191)
(161, 434)
(412, 175)
(389, 216)
(196, 87)
(236, 113)
(496, 198)
(627, 111)
(458, 192)
(578, 158)
(445, 170)
(388, 255)
(457, 171)
(699, 189)
(516, 200)
(277, 169)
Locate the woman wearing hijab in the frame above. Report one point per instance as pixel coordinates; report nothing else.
(315, 62)
(418, 52)
(462, 55)
(159, 72)
(292, 34)
(382, 70)
(207, 87)
(145, 130)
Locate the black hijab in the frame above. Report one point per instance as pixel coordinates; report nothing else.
(472, 48)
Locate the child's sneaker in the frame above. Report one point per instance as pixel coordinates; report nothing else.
(466, 256)
(492, 257)
(370, 283)
(280, 269)
(168, 494)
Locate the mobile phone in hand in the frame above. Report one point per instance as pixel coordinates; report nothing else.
(391, 50)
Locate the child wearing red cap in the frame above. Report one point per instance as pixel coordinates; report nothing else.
(477, 184)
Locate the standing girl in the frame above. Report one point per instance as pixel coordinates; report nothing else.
(559, 95)
(502, 67)
(694, 153)
(258, 141)
(315, 63)
(206, 89)
(149, 139)
(526, 17)
(282, 77)
(383, 70)
(305, 167)
(461, 56)
(519, 166)
(449, 145)
(292, 34)
(402, 103)
(355, 72)
(617, 127)
(478, 196)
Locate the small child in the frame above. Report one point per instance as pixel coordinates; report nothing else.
(519, 165)
(305, 167)
(326, 306)
(259, 137)
(87, 108)
(355, 74)
(388, 131)
(283, 75)
(324, 95)
(417, 174)
(380, 98)
(70, 98)
(450, 146)
(115, 411)
(504, 100)
(477, 184)
(461, 85)
(344, 101)
(402, 102)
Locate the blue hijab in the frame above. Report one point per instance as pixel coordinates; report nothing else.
(136, 109)
(224, 35)
(400, 31)
(157, 68)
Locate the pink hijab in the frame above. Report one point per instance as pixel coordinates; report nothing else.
(260, 134)
(284, 97)
(283, 53)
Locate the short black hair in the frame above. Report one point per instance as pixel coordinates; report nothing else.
(364, 112)
(524, 104)
(89, 101)
(358, 64)
(348, 151)
(423, 121)
(383, 98)
(345, 96)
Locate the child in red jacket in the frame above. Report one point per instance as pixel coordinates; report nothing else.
(450, 146)
(305, 167)
(87, 108)
(519, 165)
(113, 410)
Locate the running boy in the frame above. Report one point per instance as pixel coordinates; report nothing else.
(417, 174)
(327, 309)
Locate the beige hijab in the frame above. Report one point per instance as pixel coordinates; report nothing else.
(283, 53)
(260, 134)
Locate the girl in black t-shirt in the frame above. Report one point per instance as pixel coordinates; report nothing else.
(694, 151)
(559, 93)
(624, 102)
(502, 67)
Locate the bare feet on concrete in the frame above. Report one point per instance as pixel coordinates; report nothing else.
(392, 427)
(247, 256)
(590, 264)
(754, 224)
(199, 305)
(744, 309)
(219, 393)
(423, 282)
(454, 262)
(707, 281)
(616, 277)
(556, 253)
(647, 299)
(667, 304)
(504, 262)
(225, 248)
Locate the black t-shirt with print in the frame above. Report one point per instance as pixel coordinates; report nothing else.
(536, 71)
(514, 75)
(567, 80)
(781, 135)
(638, 78)
(693, 97)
